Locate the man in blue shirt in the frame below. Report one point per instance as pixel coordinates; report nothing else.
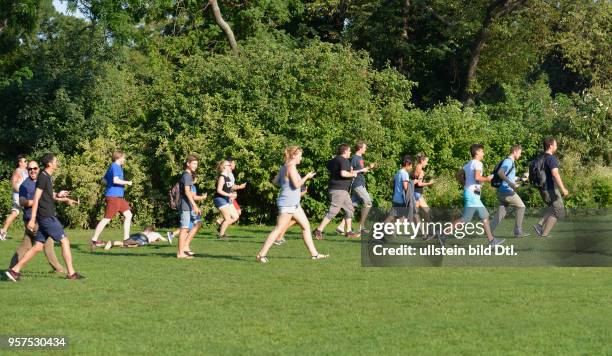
(115, 189)
(506, 193)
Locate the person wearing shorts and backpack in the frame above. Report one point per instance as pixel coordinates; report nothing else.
(544, 174)
(504, 179)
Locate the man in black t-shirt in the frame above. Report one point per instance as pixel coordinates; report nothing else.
(188, 209)
(341, 176)
(43, 213)
(550, 194)
(358, 189)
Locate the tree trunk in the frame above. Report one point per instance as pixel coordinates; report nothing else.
(497, 9)
(3, 25)
(224, 26)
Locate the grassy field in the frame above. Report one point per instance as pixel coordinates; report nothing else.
(143, 300)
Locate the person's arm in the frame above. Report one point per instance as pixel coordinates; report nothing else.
(190, 197)
(118, 181)
(24, 202)
(199, 197)
(70, 202)
(32, 222)
(559, 181)
(238, 186)
(295, 177)
(479, 178)
(15, 180)
(347, 174)
(501, 172)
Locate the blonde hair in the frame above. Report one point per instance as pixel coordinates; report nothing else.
(220, 165)
(291, 151)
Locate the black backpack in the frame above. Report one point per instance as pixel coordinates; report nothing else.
(496, 182)
(537, 174)
(174, 196)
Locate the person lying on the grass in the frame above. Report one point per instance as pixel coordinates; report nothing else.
(147, 237)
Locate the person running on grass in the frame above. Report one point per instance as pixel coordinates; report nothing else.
(550, 193)
(19, 176)
(235, 187)
(43, 214)
(280, 240)
(146, 237)
(189, 210)
(418, 176)
(341, 176)
(358, 188)
(471, 195)
(506, 193)
(198, 218)
(223, 198)
(113, 196)
(401, 206)
(289, 207)
(26, 200)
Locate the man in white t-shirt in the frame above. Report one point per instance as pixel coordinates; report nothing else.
(471, 194)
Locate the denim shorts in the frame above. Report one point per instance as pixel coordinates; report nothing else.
(188, 219)
(220, 202)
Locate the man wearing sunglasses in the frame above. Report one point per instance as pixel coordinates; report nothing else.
(19, 175)
(26, 199)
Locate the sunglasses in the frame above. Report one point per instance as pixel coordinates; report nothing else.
(32, 168)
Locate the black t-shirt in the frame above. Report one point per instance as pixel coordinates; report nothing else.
(550, 162)
(357, 164)
(46, 204)
(227, 186)
(185, 181)
(336, 181)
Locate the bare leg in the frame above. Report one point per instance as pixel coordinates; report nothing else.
(101, 225)
(182, 243)
(67, 254)
(51, 257)
(302, 220)
(283, 232)
(126, 224)
(281, 224)
(9, 220)
(341, 227)
(191, 235)
(38, 246)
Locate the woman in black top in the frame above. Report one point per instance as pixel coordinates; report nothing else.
(223, 198)
(418, 175)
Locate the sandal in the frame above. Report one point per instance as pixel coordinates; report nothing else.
(186, 257)
(319, 257)
(189, 253)
(262, 259)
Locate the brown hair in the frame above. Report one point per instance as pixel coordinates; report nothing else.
(548, 142)
(220, 165)
(343, 148)
(475, 148)
(190, 159)
(117, 155)
(420, 157)
(291, 151)
(359, 145)
(515, 148)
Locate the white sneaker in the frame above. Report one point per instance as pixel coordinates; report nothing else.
(170, 236)
(2, 235)
(108, 245)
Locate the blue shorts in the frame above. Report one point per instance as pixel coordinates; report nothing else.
(417, 196)
(49, 227)
(220, 202)
(188, 219)
(471, 205)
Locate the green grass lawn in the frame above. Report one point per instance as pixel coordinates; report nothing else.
(143, 300)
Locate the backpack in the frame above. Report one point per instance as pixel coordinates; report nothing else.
(537, 174)
(460, 176)
(174, 196)
(496, 182)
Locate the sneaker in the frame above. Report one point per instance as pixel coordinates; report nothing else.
(170, 236)
(340, 232)
(538, 229)
(318, 234)
(2, 235)
(353, 235)
(280, 242)
(108, 245)
(522, 236)
(75, 276)
(364, 231)
(496, 241)
(12, 275)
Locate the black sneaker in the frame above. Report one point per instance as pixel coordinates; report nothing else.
(364, 231)
(12, 275)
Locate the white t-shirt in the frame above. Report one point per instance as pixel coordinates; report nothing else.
(470, 168)
(154, 236)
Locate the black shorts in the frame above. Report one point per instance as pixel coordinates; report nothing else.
(49, 227)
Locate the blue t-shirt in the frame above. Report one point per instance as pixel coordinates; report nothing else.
(27, 190)
(114, 190)
(398, 186)
(506, 165)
